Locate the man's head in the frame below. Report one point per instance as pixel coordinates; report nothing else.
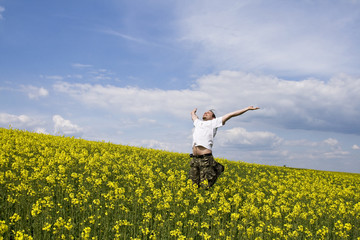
(209, 115)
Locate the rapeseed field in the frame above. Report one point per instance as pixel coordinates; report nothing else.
(54, 187)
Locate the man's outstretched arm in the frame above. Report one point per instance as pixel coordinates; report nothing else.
(237, 113)
(193, 114)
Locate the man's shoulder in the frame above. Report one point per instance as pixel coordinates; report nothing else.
(218, 121)
(196, 121)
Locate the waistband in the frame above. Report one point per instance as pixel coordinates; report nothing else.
(201, 156)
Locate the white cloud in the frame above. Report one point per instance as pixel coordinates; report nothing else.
(35, 92)
(132, 99)
(240, 137)
(152, 143)
(101, 75)
(324, 150)
(123, 36)
(331, 141)
(146, 121)
(2, 9)
(18, 121)
(268, 148)
(80, 65)
(64, 126)
(130, 38)
(335, 150)
(277, 37)
(355, 147)
(308, 104)
(6, 118)
(75, 76)
(40, 130)
(53, 77)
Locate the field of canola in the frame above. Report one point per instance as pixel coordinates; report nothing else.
(54, 187)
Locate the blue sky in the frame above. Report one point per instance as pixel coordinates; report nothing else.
(130, 72)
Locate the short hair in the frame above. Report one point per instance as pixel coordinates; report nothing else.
(212, 110)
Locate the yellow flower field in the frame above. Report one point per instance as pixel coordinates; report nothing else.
(54, 187)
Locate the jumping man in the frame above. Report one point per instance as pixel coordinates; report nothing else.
(203, 166)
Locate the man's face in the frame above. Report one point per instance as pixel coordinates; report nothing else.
(208, 116)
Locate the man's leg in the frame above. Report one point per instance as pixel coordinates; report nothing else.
(207, 171)
(194, 172)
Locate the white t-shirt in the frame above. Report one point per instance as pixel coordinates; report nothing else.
(205, 131)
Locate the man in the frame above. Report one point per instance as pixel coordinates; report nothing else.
(203, 166)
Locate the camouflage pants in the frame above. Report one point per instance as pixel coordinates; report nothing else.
(205, 168)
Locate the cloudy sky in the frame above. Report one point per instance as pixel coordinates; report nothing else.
(130, 72)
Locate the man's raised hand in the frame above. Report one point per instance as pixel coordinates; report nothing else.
(253, 108)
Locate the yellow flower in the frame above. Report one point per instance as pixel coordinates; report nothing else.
(205, 235)
(212, 211)
(96, 201)
(91, 219)
(47, 227)
(36, 209)
(194, 210)
(348, 227)
(62, 169)
(3, 227)
(235, 216)
(175, 232)
(85, 234)
(21, 235)
(148, 190)
(14, 218)
(204, 225)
